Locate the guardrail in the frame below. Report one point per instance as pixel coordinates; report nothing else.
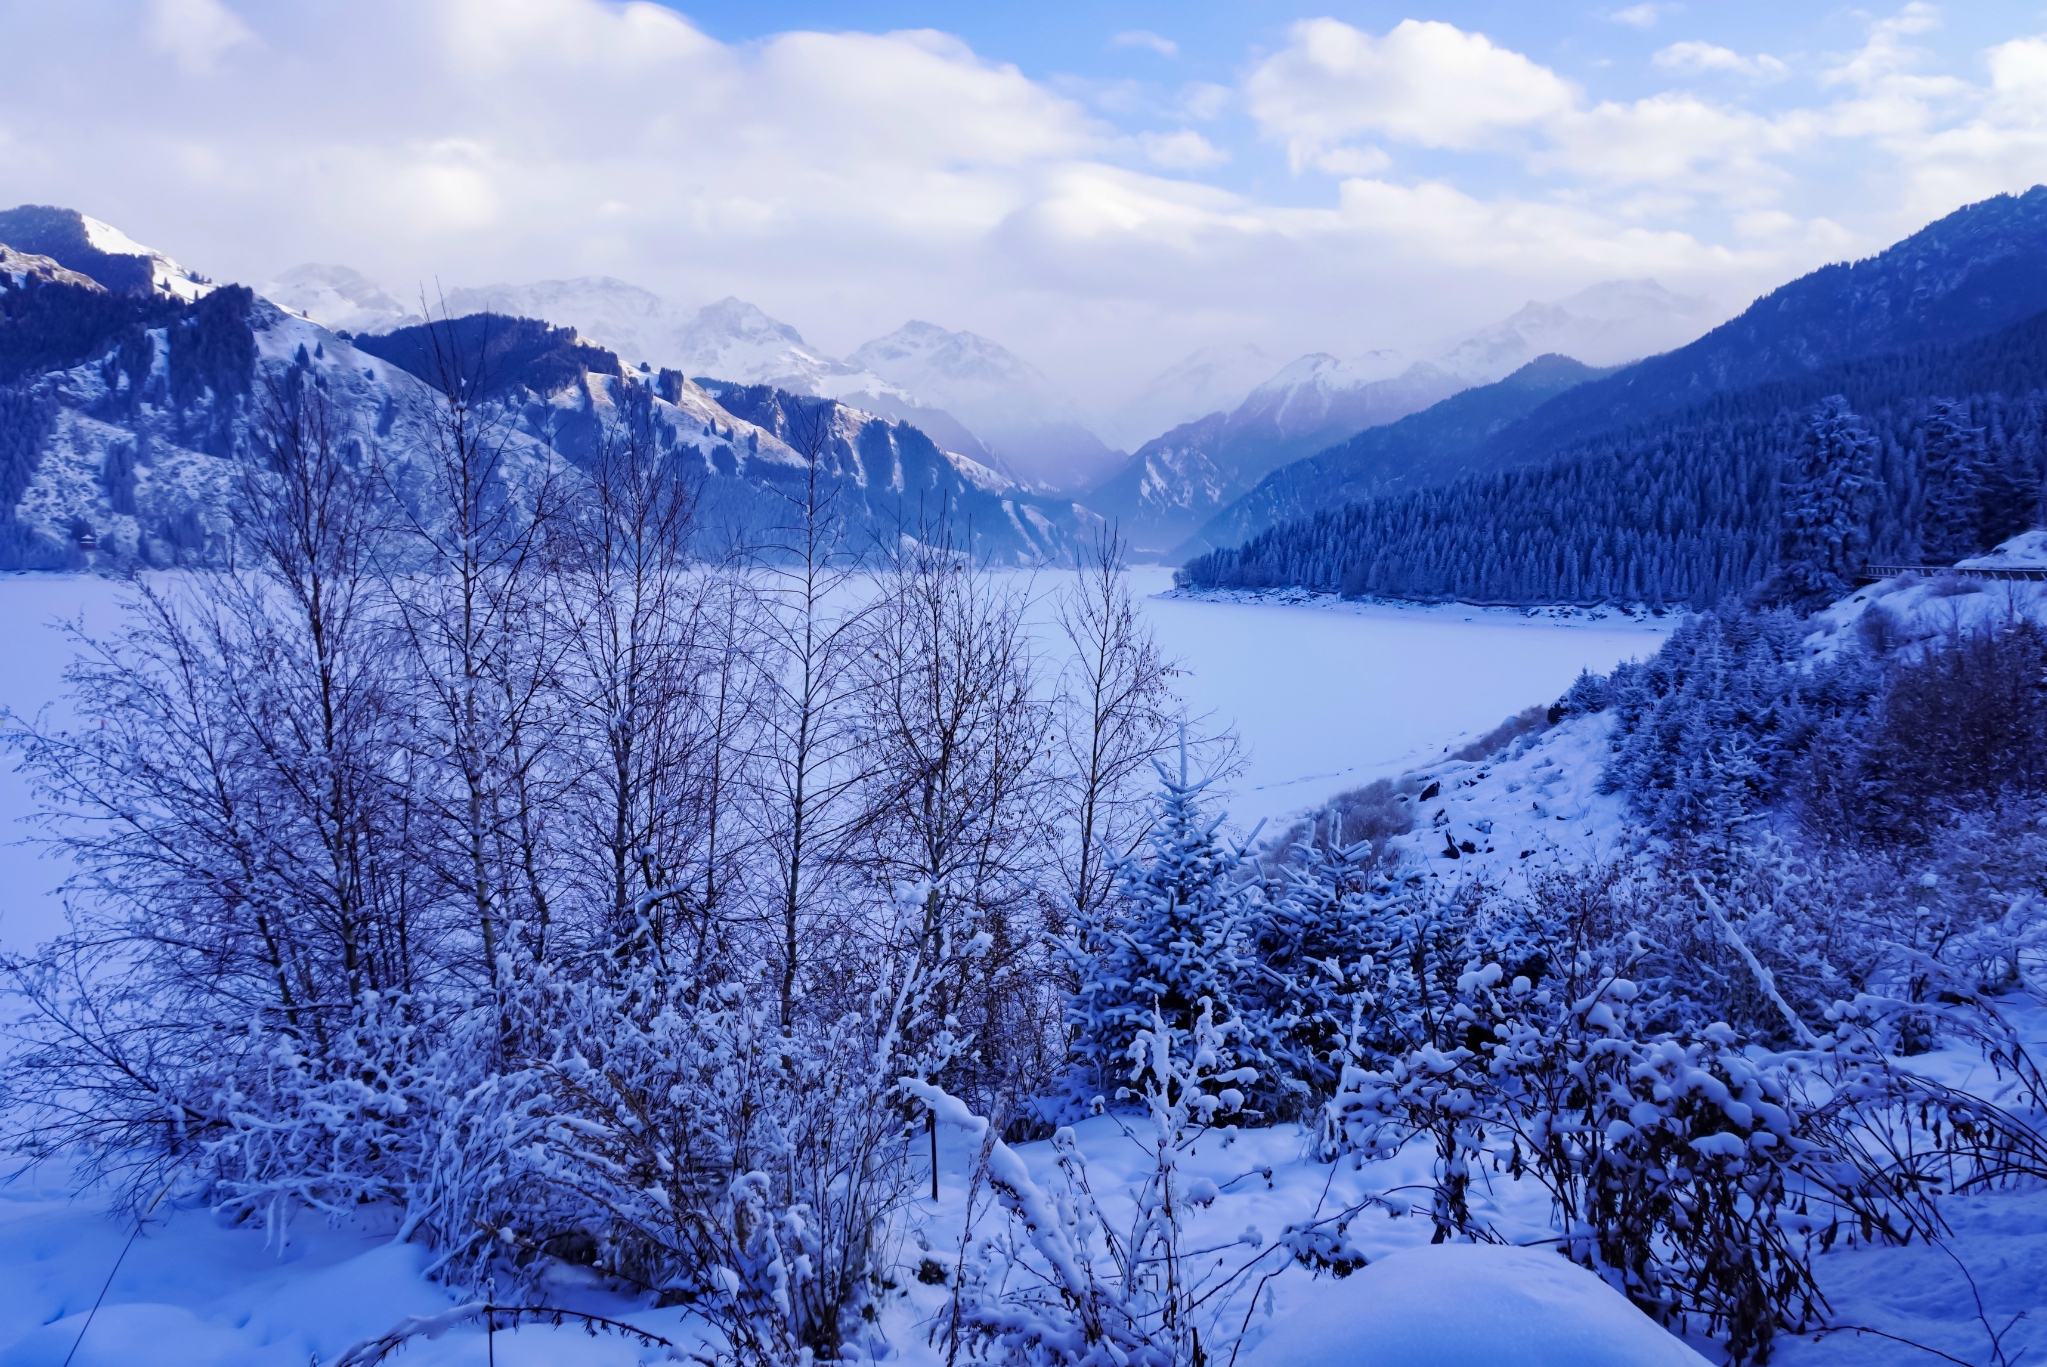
(1871, 573)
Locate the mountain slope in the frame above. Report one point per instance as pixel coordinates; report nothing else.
(886, 474)
(1680, 508)
(1425, 447)
(1177, 482)
(99, 250)
(126, 417)
(1981, 268)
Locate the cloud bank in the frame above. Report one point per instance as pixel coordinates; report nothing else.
(1423, 179)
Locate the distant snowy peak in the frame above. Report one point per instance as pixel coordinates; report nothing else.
(99, 250)
(636, 324)
(1605, 324)
(735, 340)
(1317, 390)
(1214, 379)
(338, 298)
(986, 384)
(1035, 432)
(949, 367)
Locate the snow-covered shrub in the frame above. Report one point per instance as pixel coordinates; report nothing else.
(1667, 1157)
(1059, 1280)
(1304, 949)
(1708, 732)
(714, 1155)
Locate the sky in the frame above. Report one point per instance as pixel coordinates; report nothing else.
(1101, 187)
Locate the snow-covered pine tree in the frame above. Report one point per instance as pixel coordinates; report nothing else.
(1827, 497)
(1165, 942)
(1951, 484)
(1306, 950)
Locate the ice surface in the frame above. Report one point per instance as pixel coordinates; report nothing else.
(1329, 695)
(1472, 1305)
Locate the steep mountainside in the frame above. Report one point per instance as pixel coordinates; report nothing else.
(1423, 448)
(93, 248)
(729, 340)
(1176, 483)
(887, 475)
(124, 416)
(1979, 269)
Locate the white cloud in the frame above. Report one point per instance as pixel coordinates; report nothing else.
(1145, 38)
(195, 32)
(847, 181)
(1693, 57)
(1185, 150)
(1425, 83)
(1643, 16)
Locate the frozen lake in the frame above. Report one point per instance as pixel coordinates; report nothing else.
(1325, 697)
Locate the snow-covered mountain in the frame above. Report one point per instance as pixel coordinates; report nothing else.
(338, 298)
(1034, 431)
(1603, 325)
(125, 414)
(1177, 482)
(1214, 379)
(99, 250)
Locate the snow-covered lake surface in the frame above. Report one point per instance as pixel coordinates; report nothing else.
(1328, 695)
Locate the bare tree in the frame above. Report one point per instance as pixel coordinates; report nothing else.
(656, 681)
(1116, 713)
(466, 590)
(808, 765)
(958, 794)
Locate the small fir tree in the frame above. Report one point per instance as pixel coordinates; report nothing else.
(1167, 940)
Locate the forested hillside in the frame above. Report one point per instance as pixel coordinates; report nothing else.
(1423, 448)
(1681, 509)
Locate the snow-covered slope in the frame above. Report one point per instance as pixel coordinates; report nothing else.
(99, 250)
(1037, 433)
(1602, 325)
(24, 270)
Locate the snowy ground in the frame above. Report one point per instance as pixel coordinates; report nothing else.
(1327, 696)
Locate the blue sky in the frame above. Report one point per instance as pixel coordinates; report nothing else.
(1103, 188)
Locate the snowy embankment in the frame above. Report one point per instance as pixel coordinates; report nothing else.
(1328, 697)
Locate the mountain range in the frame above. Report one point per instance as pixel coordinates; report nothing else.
(125, 410)
(978, 399)
(1658, 480)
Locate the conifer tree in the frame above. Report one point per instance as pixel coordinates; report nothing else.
(1166, 940)
(1951, 483)
(1827, 496)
